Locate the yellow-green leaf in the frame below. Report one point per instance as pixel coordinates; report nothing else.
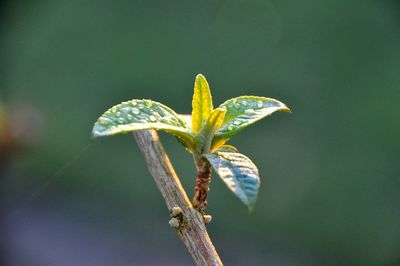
(212, 126)
(215, 120)
(225, 148)
(201, 104)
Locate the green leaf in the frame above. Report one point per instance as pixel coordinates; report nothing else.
(226, 148)
(215, 120)
(239, 173)
(201, 104)
(187, 119)
(207, 133)
(142, 114)
(244, 111)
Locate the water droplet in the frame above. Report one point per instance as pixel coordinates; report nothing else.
(244, 102)
(249, 111)
(152, 118)
(121, 120)
(104, 121)
(133, 103)
(237, 122)
(135, 111)
(156, 115)
(140, 105)
(237, 105)
(230, 128)
(118, 113)
(148, 104)
(260, 104)
(125, 109)
(129, 116)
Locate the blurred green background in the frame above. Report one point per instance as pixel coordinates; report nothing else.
(330, 188)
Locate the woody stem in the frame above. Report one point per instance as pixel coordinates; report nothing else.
(203, 179)
(194, 234)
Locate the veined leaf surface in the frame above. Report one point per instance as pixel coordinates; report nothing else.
(201, 104)
(244, 111)
(142, 114)
(239, 173)
(187, 119)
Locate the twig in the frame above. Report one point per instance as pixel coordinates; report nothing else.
(191, 229)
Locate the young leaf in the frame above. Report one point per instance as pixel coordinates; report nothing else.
(201, 104)
(239, 173)
(139, 115)
(215, 120)
(226, 148)
(244, 111)
(212, 125)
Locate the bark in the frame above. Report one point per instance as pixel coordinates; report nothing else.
(203, 179)
(191, 230)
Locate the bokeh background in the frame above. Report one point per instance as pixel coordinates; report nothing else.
(330, 171)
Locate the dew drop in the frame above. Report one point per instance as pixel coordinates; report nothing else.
(121, 120)
(237, 105)
(140, 105)
(230, 128)
(125, 109)
(157, 115)
(129, 116)
(135, 111)
(249, 112)
(260, 104)
(133, 103)
(244, 102)
(148, 104)
(118, 113)
(237, 122)
(104, 121)
(152, 118)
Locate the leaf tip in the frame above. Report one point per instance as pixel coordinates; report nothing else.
(289, 111)
(200, 76)
(283, 107)
(201, 79)
(286, 109)
(95, 133)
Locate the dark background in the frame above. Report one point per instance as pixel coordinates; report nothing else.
(330, 174)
